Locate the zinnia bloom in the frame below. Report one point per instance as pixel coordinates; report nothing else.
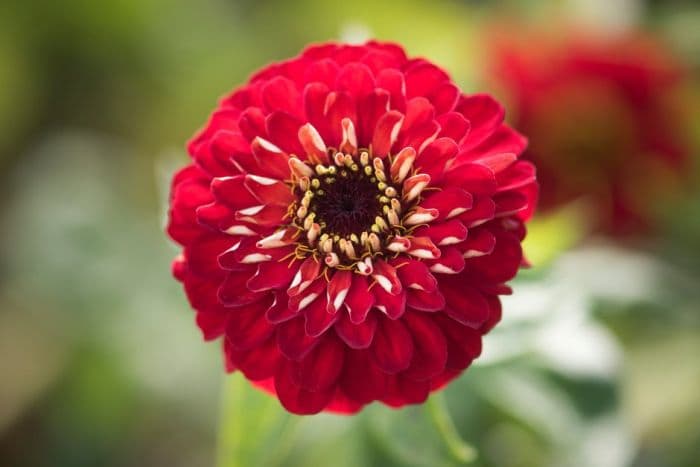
(349, 220)
(603, 117)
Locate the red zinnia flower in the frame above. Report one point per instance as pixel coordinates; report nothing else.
(348, 223)
(603, 118)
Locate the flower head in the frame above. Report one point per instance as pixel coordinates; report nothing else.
(348, 222)
(603, 118)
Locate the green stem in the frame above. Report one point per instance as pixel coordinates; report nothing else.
(254, 429)
(460, 450)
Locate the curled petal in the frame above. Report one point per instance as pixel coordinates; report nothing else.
(313, 144)
(423, 248)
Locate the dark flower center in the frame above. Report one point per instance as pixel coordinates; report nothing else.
(346, 203)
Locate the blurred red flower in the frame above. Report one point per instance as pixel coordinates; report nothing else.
(348, 222)
(603, 116)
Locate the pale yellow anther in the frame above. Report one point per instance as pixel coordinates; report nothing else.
(312, 233)
(396, 205)
(308, 222)
(374, 242)
(390, 192)
(339, 158)
(321, 169)
(315, 183)
(306, 201)
(302, 211)
(332, 170)
(304, 183)
(383, 199)
(381, 223)
(393, 218)
(336, 237)
(375, 228)
(364, 158)
(347, 248)
(326, 245)
(368, 170)
(364, 238)
(354, 238)
(381, 176)
(386, 209)
(348, 160)
(382, 186)
(354, 167)
(378, 164)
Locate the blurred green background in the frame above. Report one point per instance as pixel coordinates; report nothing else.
(597, 362)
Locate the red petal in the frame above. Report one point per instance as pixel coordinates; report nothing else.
(444, 233)
(429, 348)
(386, 133)
(279, 312)
(252, 123)
(292, 339)
(320, 369)
(318, 320)
(270, 160)
(484, 114)
(391, 305)
(425, 301)
(256, 364)
(271, 275)
(324, 71)
(247, 327)
(356, 336)
(450, 202)
(294, 398)
(359, 299)
(356, 79)
(370, 109)
(474, 178)
(479, 243)
(233, 192)
(393, 82)
(463, 343)
(445, 98)
(453, 125)
(281, 93)
(483, 210)
(308, 272)
(268, 191)
(414, 274)
(315, 95)
(424, 79)
(339, 105)
(338, 289)
(466, 305)
(234, 293)
(386, 277)
(450, 261)
(262, 215)
(392, 348)
(402, 391)
(283, 129)
(362, 380)
(520, 174)
(212, 323)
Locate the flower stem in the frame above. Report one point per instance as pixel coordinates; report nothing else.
(460, 450)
